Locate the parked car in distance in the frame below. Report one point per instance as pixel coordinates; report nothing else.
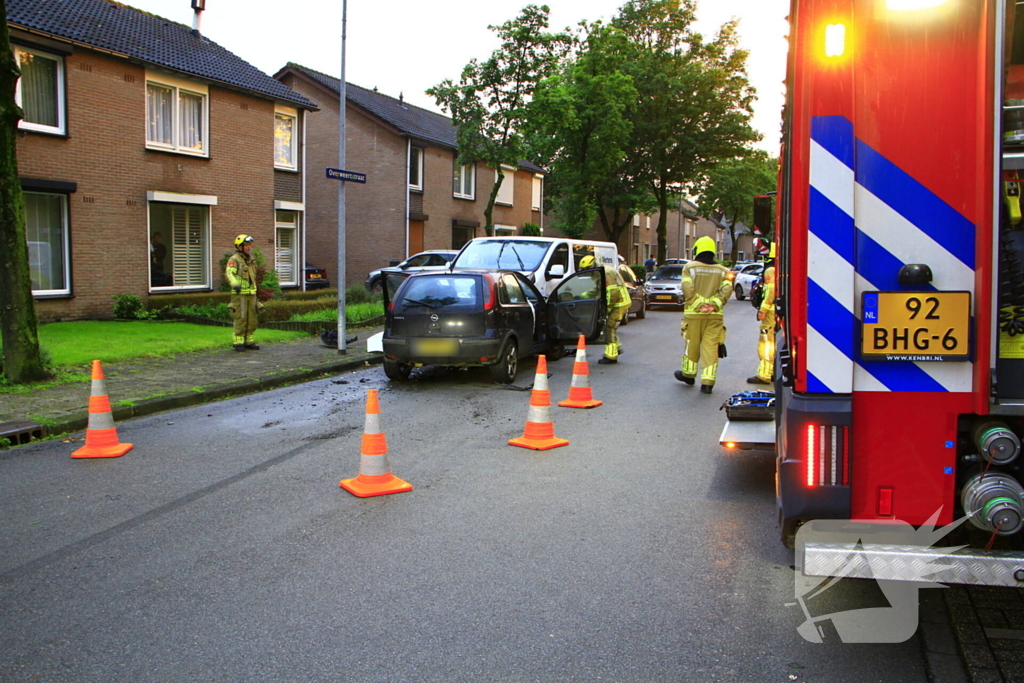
(434, 258)
(491, 318)
(316, 278)
(745, 277)
(665, 287)
(637, 294)
(676, 262)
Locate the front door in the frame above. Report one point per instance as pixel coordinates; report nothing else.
(577, 306)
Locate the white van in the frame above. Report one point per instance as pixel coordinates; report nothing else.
(545, 260)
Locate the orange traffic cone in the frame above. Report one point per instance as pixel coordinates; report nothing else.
(100, 434)
(579, 389)
(540, 430)
(375, 477)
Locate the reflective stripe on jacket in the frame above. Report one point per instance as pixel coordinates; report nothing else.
(705, 283)
(768, 290)
(241, 272)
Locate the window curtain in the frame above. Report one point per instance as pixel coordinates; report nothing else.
(189, 246)
(284, 128)
(159, 114)
(191, 121)
(44, 232)
(284, 255)
(39, 89)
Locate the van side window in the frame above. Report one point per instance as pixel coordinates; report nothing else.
(560, 257)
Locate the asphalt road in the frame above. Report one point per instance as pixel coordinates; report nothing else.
(222, 549)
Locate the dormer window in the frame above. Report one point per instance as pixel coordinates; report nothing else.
(40, 91)
(177, 115)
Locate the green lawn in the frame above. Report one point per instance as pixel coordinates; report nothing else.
(74, 344)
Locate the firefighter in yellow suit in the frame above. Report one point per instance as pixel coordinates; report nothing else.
(618, 308)
(766, 314)
(707, 287)
(241, 275)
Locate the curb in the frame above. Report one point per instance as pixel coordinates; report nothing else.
(77, 421)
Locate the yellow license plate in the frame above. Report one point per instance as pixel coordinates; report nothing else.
(664, 296)
(436, 347)
(916, 326)
(314, 276)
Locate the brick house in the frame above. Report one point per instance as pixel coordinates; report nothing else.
(144, 149)
(415, 196)
(683, 227)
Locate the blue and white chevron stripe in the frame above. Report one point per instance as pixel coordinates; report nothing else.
(867, 218)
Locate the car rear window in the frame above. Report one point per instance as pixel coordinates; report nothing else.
(445, 291)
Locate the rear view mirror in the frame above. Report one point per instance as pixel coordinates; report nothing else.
(556, 271)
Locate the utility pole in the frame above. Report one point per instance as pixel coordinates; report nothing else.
(342, 105)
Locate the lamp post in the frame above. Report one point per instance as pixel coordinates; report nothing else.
(342, 101)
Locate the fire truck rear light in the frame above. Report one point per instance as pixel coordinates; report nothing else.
(825, 455)
(885, 502)
(835, 40)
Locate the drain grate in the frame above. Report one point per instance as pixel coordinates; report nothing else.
(21, 432)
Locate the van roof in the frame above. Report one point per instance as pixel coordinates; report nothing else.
(526, 238)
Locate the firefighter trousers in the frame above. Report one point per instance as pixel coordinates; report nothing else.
(243, 310)
(703, 334)
(612, 345)
(766, 348)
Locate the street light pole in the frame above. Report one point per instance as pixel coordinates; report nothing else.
(342, 105)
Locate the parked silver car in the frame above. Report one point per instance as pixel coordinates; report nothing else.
(433, 259)
(665, 287)
(745, 278)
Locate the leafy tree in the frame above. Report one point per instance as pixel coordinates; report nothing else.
(489, 104)
(694, 100)
(22, 361)
(732, 185)
(580, 119)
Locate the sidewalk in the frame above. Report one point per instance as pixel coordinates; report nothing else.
(148, 386)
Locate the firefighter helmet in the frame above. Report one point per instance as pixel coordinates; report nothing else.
(240, 240)
(704, 244)
(587, 261)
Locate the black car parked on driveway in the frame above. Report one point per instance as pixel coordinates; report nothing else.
(487, 318)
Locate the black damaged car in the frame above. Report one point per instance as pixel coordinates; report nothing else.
(491, 318)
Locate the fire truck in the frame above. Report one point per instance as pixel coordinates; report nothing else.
(900, 350)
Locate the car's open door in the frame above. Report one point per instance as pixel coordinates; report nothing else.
(389, 285)
(578, 306)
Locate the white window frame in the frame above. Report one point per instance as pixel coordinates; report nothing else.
(65, 246)
(416, 162)
(61, 127)
(506, 193)
(283, 113)
(537, 191)
(177, 86)
(636, 220)
(187, 201)
(505, 230)
(293, 226)
(462, 176)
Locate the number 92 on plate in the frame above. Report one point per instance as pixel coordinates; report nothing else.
(916, 326)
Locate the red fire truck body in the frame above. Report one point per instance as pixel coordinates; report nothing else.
(900, 374)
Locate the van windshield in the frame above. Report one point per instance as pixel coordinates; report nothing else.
(525, 255)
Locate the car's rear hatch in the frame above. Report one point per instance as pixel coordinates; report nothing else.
(441, 305)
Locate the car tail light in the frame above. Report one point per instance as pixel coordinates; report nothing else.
(489, 294)
(826, 455)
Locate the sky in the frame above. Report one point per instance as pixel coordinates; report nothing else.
(406, 46)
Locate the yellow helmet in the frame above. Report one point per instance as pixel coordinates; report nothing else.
(704, 244)
(242, 239)
(587, 261)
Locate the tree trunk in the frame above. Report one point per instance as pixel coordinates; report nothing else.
(662, 224)
(732, 236)
(489, 209)
(22, 361)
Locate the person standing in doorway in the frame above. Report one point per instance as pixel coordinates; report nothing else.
(241, 275)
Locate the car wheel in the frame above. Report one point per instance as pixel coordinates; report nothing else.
(642, 313)
(555, 352)
(505, 370)
(739, 293)
(397, 371)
